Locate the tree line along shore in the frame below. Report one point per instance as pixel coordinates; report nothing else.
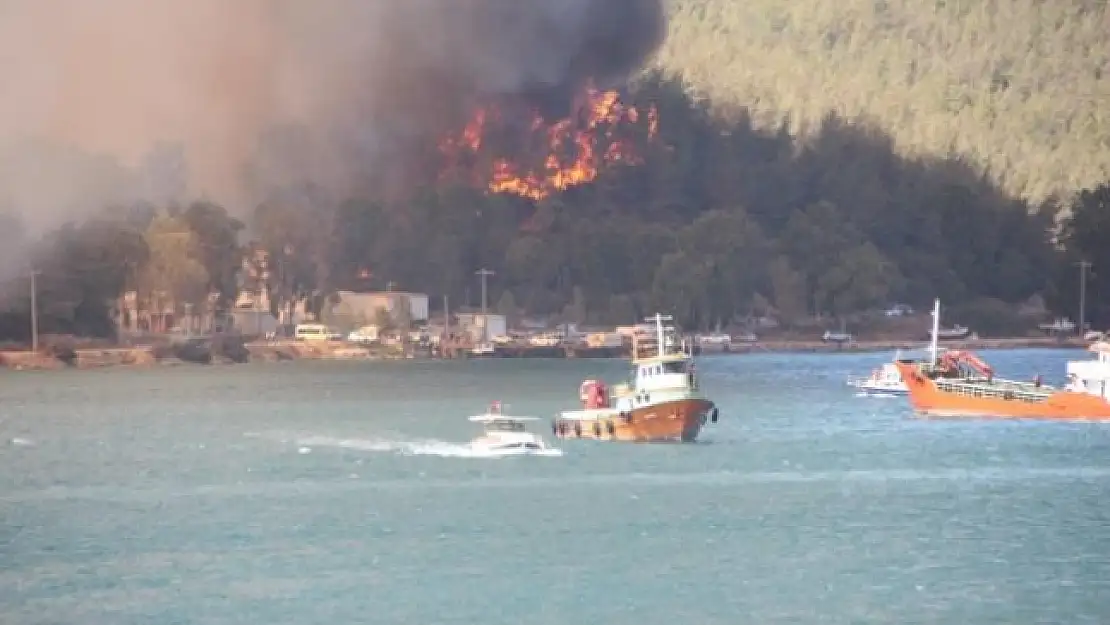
(215, 352)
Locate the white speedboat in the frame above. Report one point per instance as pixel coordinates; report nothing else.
(886, 380)
(483, 350)
(507, 436)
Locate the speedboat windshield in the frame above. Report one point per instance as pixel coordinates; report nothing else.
(517, 445)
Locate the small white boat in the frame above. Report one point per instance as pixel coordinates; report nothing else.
(886, 380)
(1058, 326)
(836, 337)
(955, 332)
(507, 436)
(483, 350)
(712, 343)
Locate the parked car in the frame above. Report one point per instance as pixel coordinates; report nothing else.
(899, 310)
(311, 332)
(364, 335)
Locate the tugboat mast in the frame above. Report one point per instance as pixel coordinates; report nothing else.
(660, 334)
(936, 330)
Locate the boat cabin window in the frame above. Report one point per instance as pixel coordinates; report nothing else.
(674, 367)
(665, 368)
(506, 426)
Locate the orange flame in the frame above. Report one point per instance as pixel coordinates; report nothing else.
(575, 148)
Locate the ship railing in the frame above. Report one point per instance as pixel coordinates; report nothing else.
(995, 390)
(648, 347)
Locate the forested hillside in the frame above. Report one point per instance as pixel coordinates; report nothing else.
(718, 221)
(1022, 87)
(708, 219)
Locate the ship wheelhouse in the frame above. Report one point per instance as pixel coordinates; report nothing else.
(666, 372)
(1092, 376)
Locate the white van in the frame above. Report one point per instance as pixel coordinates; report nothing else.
(364, 335)
(311, 332)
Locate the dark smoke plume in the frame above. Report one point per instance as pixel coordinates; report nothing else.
(544, 49)
(261, 94)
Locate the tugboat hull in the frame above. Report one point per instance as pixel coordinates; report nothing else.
(679, 420)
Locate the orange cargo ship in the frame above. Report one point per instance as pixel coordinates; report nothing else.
(663, 402)
(959, 384)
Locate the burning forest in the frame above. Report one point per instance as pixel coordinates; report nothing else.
(517, 150)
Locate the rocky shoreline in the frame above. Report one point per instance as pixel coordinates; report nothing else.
(230, 351)
(195, 352)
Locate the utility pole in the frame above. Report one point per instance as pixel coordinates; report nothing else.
(484, 273)
(446, 319)
(123, 306)
(34, 312)
(288, 302)
(188, 320)
(1084, 266)
(281, 290)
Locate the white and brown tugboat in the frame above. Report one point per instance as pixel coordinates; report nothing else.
(663, 401)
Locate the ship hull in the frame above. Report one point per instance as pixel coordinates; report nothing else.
(679, 420)
(928, 398)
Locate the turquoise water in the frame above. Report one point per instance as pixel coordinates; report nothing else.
(342, 493)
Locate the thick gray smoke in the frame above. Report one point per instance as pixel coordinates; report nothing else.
(116, 99)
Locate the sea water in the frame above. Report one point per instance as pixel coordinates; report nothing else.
(345, 493)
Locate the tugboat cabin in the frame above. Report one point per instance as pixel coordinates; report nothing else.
(675, 371)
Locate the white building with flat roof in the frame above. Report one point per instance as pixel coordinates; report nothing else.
(366, 305)
(478, 326)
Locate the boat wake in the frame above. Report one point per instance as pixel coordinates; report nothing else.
(443, 449)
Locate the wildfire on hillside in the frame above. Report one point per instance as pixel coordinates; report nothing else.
(558, 155)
